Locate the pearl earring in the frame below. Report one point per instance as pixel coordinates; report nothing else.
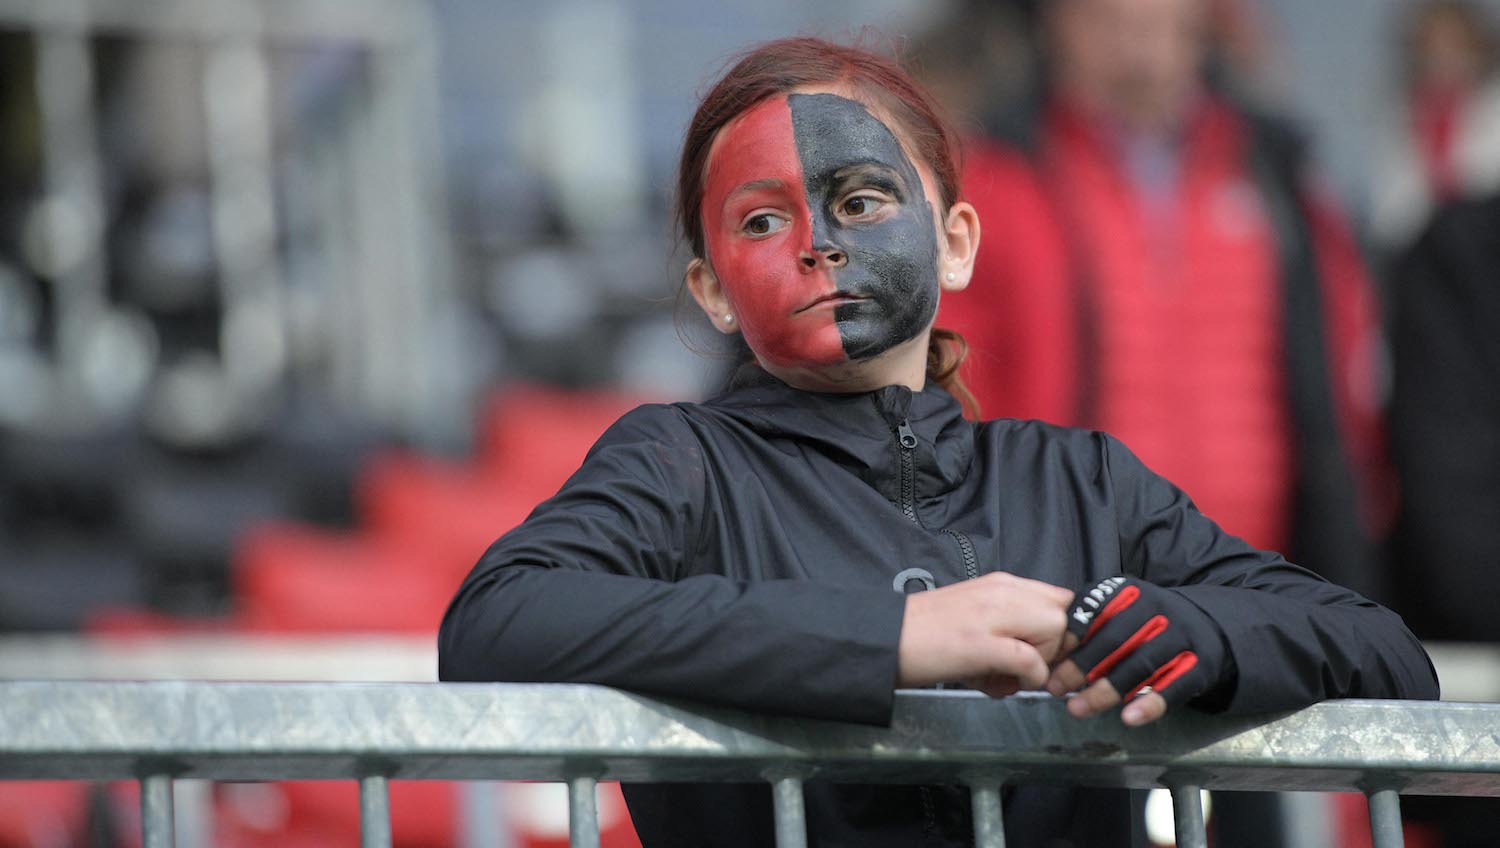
(952, 276)
(728, 318)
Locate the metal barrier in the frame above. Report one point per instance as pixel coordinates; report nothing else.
(158, 732)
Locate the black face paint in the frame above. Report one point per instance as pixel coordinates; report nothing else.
(892, 262)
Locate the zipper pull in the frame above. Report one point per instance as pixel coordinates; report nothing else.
(907, 438)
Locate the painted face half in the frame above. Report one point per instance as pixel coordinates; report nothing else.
(818, 228)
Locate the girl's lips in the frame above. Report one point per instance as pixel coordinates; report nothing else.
(834, 299)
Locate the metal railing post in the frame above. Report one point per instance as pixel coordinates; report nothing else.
(583, 813)
(1385, 819)
(156, 811)
(374, 812)
(791, 815)
(1187, 814)
(989, 823)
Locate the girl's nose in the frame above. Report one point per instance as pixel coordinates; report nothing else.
(823, 257)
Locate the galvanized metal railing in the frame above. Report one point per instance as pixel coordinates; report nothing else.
(158, 732)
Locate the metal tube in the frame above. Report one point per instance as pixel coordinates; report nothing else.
(1385, 819)
(583, 813)
(381, 309)
(374, 812)
(989, 824)
(404, 93)
(236, 99)
(156, 811)
(1187, 813)
(791, 817)
(72, 255)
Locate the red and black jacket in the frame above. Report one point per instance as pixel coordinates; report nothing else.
(1032, 324)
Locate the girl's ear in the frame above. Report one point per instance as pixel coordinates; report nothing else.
(960, 244)
(704, 285)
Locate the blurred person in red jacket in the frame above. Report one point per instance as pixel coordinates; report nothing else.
(1168, 273)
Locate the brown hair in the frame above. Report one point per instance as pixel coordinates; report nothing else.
(778, 67)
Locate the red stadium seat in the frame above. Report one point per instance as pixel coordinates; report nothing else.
(325, 814)
(454, 510)
(535, 438)
(43, 812)
(295, 578)
(1351, 824)
(423, 813)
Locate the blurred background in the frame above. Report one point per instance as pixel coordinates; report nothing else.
(304, 302)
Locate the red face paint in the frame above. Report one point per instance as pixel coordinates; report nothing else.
(755, 182)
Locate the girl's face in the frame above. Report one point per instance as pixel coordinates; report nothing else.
(820, 232)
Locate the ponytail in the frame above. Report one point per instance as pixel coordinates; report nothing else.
(946, 350)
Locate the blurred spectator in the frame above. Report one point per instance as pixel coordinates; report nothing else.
(979, 53)
(1446, 423)
(1155, 264)
(1446, 438)
(1445, 143)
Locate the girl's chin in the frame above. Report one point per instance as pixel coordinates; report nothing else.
(823, 348)
(808, 366)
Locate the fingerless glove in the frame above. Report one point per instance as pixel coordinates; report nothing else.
(1142, 637)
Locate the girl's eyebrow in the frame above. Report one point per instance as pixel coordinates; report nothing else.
(866, 170)
(754, 185)
(875, 174)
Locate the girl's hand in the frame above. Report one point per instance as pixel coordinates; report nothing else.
(997, 633)
(1129, 636)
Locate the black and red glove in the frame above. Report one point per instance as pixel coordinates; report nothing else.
(1136, 635)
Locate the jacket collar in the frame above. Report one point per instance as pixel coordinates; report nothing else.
(859, 430)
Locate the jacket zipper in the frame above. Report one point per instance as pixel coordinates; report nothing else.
(966, 547)
(907, 444)
(906, 441)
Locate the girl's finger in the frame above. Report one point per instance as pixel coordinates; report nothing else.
(1093, 700)
(1145, 708)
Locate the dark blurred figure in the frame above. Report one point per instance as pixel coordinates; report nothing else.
(1156, 264)
(1445, 142)
(1446, 437)
(1446, 423)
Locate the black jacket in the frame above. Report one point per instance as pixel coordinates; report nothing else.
(1445, 423)
(745, 551)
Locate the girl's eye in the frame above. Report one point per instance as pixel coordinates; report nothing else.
(861, 205)
(763, 224)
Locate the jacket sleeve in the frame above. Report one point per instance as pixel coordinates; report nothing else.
(605, 583)
(1294, 638)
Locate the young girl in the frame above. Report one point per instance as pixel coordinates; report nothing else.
(832, 528)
